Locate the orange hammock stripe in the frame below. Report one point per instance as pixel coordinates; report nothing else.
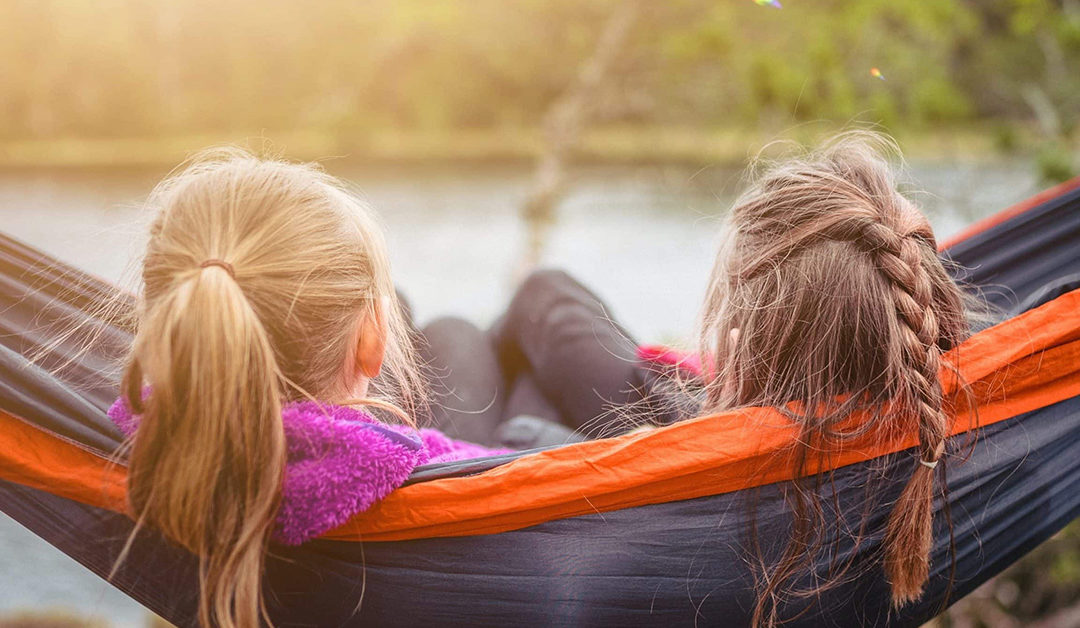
(1026, 363)
(40, 459)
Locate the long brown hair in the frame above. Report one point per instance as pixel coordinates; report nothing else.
(843, 311)
(255, 275)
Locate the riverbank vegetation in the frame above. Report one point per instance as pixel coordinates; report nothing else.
(695, 80)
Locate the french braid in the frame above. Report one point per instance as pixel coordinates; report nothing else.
(832, 278)
(899, 257)
(898, 251)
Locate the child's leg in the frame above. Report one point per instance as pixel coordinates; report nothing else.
(526, 399)
(467, 386)
(561, 335)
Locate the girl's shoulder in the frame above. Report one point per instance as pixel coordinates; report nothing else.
(340, 461)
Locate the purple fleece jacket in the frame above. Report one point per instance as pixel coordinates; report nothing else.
(340, 462)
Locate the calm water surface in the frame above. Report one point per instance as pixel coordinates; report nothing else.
(642, 238)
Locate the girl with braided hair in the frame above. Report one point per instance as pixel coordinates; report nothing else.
(829, 303)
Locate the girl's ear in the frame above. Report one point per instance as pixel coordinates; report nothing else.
(371, 346)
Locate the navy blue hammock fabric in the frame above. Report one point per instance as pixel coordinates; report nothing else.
(677, 563)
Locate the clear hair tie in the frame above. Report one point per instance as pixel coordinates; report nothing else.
(932, 464)
(220, 263)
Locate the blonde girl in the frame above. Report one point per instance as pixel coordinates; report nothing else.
(266, 311)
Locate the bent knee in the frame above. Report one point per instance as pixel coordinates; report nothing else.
(541, 286)
(450, 327)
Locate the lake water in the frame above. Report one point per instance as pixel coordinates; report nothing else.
(642, 237)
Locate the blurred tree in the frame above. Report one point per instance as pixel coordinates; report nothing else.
(132, 68)
(565, 120)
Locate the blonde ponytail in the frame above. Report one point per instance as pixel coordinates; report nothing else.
(256, 277)
(207, 466)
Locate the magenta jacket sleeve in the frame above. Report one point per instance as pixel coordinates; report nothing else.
(340, 461)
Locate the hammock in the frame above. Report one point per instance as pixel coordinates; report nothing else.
(645, 529)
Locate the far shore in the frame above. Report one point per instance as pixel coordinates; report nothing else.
(607, 144)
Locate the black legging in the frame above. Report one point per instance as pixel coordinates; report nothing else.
(555, 354)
